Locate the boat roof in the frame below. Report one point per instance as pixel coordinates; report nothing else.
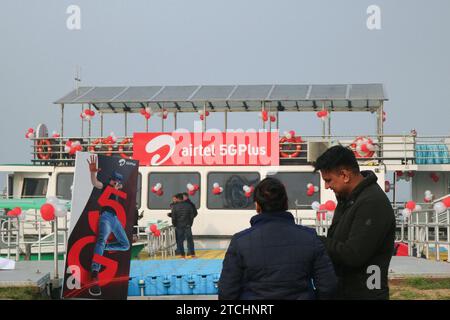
(191, 98)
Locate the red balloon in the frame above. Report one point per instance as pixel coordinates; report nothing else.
(446, 201)
(196, 187)
(157, 233)
(410, 205)
(153, 228)
(202, 117)
(273, 118)
(399, 173)
(160, 192)
(322, 207)
(142, 111)
(48, 212)
(147, 115)
(310, 193)
(330, 205)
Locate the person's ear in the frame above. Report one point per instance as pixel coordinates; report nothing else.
(345, 174)
(258, 208)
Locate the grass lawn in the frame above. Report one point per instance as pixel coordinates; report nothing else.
(21, 293)
(420, 289)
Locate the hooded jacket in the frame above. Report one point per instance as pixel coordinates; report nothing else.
(276, 259)
(360, 241)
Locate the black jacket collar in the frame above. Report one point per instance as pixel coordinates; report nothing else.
(282, 216)
(369, 179)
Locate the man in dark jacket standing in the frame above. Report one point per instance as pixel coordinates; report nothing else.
(275, 258)
(182, 215)
(360, 240)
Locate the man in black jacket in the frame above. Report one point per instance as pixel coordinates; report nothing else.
(183, 215)
(360, 240)
(275, 258)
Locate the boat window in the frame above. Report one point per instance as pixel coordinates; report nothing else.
(171, 184)
(64, 183)
(139, 190)
(296, 188)
(10, 185)
(233, 195)
(34, 188)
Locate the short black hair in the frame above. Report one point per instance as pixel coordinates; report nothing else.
(271, 195)
(337, 158)
(179, 196)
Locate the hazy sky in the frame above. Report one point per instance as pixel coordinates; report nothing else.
(202, 42)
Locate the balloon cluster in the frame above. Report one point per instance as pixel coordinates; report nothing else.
(322, 115)
(434, 177)
(87, 115)
(428, 196)
(111, 139)
(53, 208)
(311, 189)
(163, 114)
(442, 206)
(192, 188)
(217, 189)
(203, 114)
(55, 135)
(248, 190)
(363, 147)
(404, 175)
(16, 212)
(146, 112)
(71, 147)
(157, 189)
(29, 134)
(324, 210)
(289, 134)
(410, 206)
(153, 229)
(265, 116)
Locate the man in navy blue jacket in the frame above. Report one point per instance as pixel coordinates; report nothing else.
(276, 258)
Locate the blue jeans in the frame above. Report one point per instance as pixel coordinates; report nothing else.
(109, 223)
(182, 233)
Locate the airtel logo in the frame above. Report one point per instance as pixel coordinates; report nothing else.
(157, 143)
(122, 162)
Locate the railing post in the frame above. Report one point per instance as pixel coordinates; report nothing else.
(436, 236)
(55, 253)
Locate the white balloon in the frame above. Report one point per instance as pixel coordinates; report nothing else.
(221, 189)
(53, 200)
(316, 189)
(190, 187)
(439, 207)
(60, 210)
(246, 188)
(315, 205)
(309, 185)
(215, 185)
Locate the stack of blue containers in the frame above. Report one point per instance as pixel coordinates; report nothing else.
(174, 277)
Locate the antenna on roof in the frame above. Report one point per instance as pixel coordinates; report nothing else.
(77, 77)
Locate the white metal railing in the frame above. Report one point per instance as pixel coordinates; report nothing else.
(424, 230)
(15, 232)
(402, 148)
(163, 244)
